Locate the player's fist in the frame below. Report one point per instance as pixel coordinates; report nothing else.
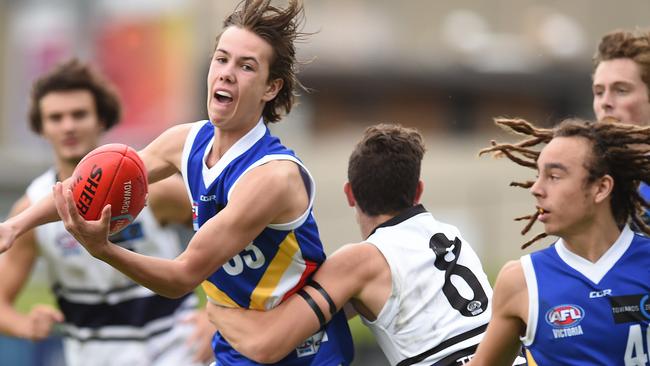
(40, 321)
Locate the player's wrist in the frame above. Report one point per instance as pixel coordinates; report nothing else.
(19, 327)
(105, 252)
(13, 227)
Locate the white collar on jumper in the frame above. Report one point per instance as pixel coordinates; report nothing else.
(596, 271)
(241, 146)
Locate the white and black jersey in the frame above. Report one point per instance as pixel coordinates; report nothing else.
(440, 302)
(107, 315)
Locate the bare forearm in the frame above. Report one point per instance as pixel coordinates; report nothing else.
(240, 328)
(266, 336)
(255, 338)
(170, 278)
(40, 213)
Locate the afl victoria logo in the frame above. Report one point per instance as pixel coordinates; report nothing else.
(563, 316)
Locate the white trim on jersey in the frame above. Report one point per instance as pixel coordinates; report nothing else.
(311, 189)
(289, 280)
(110, 298)
(533, 300)
(597, 270)
(187, 148)
(241, 146)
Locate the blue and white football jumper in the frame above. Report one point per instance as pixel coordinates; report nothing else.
(584, 313)
(109, 319)
(280, 259)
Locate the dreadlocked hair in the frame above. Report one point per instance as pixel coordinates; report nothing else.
(619, 150)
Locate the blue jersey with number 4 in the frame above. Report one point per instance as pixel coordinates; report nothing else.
(584, 313)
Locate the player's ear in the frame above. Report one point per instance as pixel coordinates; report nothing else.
(347, 189)
(418, 192)
(603, 188)
(272, 89)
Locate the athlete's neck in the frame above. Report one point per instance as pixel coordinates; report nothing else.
(593, 242)
(64, 169)
(369, 223)
(225, 138)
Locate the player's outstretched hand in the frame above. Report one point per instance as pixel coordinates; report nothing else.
(93, 235)
(7, 236)
(41, 319)
(201, 338)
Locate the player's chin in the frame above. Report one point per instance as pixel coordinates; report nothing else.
(73, 155)
(551, 229)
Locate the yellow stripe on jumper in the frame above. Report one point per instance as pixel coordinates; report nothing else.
(282, 260)
(530, 359)
(216, 295)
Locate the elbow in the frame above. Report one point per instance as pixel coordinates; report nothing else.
(176, 290)
(172, 294)
(269, 356)
(261, 350)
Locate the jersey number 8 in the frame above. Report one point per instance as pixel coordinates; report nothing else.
(442, 246)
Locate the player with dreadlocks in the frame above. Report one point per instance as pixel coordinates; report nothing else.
(583, 300)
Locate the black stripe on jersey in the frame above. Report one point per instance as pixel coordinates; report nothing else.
(458, 358)
(401, 217)
(135, 312)
(445, 344)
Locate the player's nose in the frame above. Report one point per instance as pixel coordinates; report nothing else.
(607, 101)
(68, 123)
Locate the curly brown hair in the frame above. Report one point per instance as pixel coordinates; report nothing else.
(281, 28)
(384, 169)
(634, 45)
(619, 150)
(75, 75)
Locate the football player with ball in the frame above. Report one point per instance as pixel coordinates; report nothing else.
(256, 239)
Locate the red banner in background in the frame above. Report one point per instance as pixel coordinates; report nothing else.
(150, 63)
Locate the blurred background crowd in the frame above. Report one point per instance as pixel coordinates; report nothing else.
(444, 67)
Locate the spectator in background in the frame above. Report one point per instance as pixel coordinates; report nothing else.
(621, 81)
(621, 77)
(107, 318)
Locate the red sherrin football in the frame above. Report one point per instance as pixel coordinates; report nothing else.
(111, 174)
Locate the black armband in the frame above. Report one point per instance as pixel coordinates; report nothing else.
(314, 306)
(324, 293)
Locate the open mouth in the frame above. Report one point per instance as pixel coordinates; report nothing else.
(223, 97)
(542, 214)
(610, 119)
